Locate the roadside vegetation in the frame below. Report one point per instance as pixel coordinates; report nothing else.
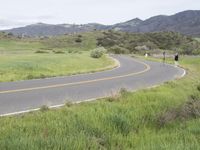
(98, 52)
(23, 58)
(31, 58)
(165, 117)
(32, 66)
(120, 42)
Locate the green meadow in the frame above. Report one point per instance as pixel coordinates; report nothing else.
(166, 117)
(32, 66)
(29, 58)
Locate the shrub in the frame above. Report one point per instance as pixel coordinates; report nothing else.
(42, 76)
(113, 98)
(70, 51)
(29, 77)
(10, 34)
(68, 104)
(78, 40)
(44, 108)
(41, 52)
(98, 52)
(191, 109)
(59, 52)
(134, 42)
(198, 87)
(123, 91)
(107, 42)
(119, 50)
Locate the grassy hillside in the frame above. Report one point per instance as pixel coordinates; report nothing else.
(28, 58)
(32, 66)
(166, 117)
(65, 43)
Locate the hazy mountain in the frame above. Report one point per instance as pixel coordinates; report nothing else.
(41, 29)
(127, 25)
(187, 22)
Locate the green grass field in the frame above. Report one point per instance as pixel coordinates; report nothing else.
(166, 117)
(31, 66)
(22, 59)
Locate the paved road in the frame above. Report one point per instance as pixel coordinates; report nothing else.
(132, 74)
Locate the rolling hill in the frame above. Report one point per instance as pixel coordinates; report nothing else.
(186, 22)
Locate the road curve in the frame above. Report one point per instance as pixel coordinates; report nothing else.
(133, 74)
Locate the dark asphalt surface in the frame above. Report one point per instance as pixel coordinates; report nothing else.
(15, 101)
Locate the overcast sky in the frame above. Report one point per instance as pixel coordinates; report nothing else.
(14, 13)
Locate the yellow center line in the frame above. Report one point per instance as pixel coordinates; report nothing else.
(147, 68)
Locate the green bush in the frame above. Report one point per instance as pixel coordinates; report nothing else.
(119, 50)
(78, 40)
(98, 52)
(106, 41)
(41, 51)
(29, 77)
(10, 34)
(44, 108)
(70, 51)
(198, 87)
(59, 52)
(130, 42)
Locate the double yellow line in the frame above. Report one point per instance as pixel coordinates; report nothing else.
(147, 68)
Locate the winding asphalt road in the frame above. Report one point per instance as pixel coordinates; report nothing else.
(132, 74)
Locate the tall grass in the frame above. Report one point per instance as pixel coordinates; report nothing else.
(130, 121)
(22, 59)
(30, 66)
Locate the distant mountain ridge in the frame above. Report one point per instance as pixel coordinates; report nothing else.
(41, 29)
(186, 22)
(126, 25)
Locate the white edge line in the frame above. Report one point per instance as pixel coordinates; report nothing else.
(87, 100)
(116, 66)
(50, 107)
(184, 71)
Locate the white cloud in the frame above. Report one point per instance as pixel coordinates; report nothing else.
(84, 11)
(7, 24)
